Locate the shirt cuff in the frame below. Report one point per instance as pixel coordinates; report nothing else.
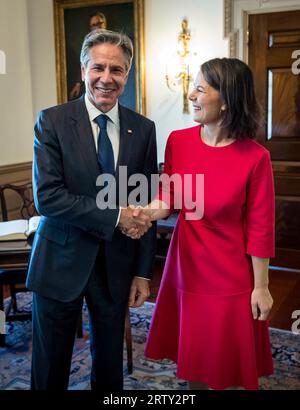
(118, 219)
(140, 277)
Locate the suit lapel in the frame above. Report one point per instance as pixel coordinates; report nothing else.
(126, 145)
(126, 137)
(81, 126)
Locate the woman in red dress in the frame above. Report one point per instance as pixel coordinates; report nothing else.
(211, 310)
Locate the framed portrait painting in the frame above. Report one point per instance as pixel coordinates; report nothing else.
(73, 19)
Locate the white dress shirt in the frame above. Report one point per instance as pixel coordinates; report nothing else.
(113, 126)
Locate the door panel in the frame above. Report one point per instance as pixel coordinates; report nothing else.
(272, 39)
(283, 118)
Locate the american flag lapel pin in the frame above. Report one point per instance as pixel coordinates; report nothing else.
(129, 131)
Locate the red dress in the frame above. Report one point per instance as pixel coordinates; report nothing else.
(202, 318)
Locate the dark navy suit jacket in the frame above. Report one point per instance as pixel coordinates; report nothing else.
(71, 229)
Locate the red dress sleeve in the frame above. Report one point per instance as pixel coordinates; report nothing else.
(260, 210)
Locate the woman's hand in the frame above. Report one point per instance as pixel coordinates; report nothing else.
(261, 299)
(261, 303)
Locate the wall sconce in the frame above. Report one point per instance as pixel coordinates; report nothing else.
(178, 72)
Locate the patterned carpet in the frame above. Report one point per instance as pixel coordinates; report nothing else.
(147, 374)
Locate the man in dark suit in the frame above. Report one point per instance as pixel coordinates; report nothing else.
(78, 250)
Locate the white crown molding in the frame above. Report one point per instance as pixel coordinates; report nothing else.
(236, 20)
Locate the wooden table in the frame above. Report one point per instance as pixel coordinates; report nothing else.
(165, 229)
(166, 226)
(14, 255)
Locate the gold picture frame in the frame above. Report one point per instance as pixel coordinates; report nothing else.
(70, 23)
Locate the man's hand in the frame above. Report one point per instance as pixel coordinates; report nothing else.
(139, 292)
(135, 221)
(135, 233)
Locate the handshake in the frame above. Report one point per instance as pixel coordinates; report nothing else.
(135, 222)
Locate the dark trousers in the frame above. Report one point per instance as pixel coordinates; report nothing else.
(54, 329)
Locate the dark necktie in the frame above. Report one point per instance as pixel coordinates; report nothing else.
(105, 150)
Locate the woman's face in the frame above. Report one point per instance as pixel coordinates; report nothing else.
(207, 102)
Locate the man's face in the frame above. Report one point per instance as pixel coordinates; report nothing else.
(97, 22)
(105, 75)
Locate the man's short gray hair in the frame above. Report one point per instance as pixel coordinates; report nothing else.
(101, 36)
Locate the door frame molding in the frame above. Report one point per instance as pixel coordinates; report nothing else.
(236, 20)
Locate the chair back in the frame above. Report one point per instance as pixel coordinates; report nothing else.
(17, 199)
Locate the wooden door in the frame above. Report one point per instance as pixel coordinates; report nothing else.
(273, 38)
